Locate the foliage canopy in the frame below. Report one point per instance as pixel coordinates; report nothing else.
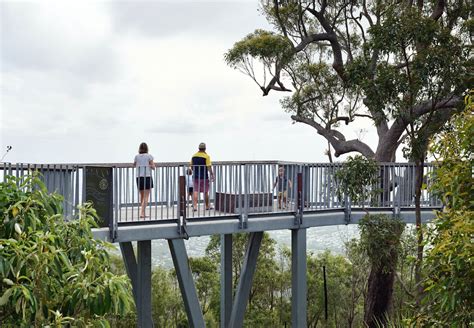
(449, 269)
(393, 63)
(53, 272)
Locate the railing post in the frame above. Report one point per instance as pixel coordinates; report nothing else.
(182, 208)
(347, 208)
(243, 195)
(396, 198)
(299, 199)
(115, 216)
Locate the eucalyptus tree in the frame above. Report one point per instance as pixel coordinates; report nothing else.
(400, 65)
(394, 63)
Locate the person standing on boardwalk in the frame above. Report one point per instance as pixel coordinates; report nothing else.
(282, 183)
(201, 167)
(144, 164)
(190, 183)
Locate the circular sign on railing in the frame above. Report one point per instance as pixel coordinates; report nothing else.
(103, 184)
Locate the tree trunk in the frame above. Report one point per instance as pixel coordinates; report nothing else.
(419, 229)
(379, 296)
(378, 299)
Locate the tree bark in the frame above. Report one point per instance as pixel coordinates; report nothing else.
(379, 296)
(337, 139)
(419, 231)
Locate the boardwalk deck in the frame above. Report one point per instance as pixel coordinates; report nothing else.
(313, 201)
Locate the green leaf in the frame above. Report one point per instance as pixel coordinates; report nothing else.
(8, 281)
(5, 296)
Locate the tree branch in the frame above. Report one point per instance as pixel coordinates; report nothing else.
(304, 42)
(404, 287)
(341, 146)
(280, 22)
(388, 143)
(346, 120)
(438, 11)
(330, 35)
(281, 87)
(338, 63)
(366, 13)
(419, 4)
(312, 38)
(349, 50)
(380, 120)
(363, 115)
(433, 125)
(355, 19)
(425, 107)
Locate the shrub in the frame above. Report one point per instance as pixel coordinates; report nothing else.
(53, 272)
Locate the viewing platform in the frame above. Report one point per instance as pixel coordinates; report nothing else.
(244, 197)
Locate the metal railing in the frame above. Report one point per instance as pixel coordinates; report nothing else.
(239, 189)
(64, 179)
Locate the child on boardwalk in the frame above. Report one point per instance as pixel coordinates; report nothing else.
(282, 183)
(189, 184)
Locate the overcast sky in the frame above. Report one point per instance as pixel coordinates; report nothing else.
(87, 81)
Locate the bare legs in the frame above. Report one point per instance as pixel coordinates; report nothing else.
(144, 196)
(282, 201)
(206, 198)
(190, 197)
(195, 200)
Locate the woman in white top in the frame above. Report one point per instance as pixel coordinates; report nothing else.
(144, 164)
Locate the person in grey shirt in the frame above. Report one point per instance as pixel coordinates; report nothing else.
(144, 164)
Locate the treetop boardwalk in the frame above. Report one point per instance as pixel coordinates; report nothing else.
(251, 197)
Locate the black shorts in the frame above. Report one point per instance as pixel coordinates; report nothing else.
(190, 190)
(144, 183)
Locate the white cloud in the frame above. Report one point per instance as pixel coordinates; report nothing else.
(188, 19)
(59, 37)
(81, 82)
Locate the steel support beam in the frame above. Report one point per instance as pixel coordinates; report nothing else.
(131, 266)
(229, 225)
(298, 278)
(186, 283)
(245, 281)
(144, 284)
(226, 279)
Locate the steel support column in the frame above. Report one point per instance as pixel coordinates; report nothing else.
(245, 281)
(186, 282)
(298, 278)
(144, 284)
(130, 265)
(226, 279)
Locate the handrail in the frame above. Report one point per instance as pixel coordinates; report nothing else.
(241, 189)
(158, 164)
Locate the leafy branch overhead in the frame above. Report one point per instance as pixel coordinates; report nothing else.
(394, 64)
(272, 50)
